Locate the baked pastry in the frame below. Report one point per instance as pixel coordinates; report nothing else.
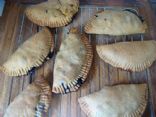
(30, 54)
(34, 101)
(115, 22)
(72, 63)
(133, 56)
(53, 13)
(116, 101)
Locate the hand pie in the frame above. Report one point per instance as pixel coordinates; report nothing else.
(32, 102)
(72, 63)
(30, 54)
(115, 22)
(54, 13)
(133, 56)
(116, 101)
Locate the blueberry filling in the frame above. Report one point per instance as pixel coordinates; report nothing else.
(39, 110)
(50, 55)
(64, 88)
(68, 88)
(135, 13)
(32, 70)
(40, 106)
(79, 81)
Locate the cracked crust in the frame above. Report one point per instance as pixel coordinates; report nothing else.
(52, 13)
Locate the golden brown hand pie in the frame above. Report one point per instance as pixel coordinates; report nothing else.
(115, 22)
(54, 13)
(116, 101)
(30, 54)
(34, 101)
(133, 56)
(72, 63)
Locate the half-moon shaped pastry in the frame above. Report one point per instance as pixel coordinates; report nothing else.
(53, 13)
(30, 54)
(34, 101)
(72, 63)
(133, 56)
(115, 22)
(116, 101)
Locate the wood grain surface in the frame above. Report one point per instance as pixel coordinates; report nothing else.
(15, 28)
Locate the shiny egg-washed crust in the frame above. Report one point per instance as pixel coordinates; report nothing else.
(52, 14)
(81, 77)
(133, 56)
(117, 101)
(31, 53)
(34, 101)
(115, 22)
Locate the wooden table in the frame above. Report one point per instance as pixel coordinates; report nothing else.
(15, 28)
